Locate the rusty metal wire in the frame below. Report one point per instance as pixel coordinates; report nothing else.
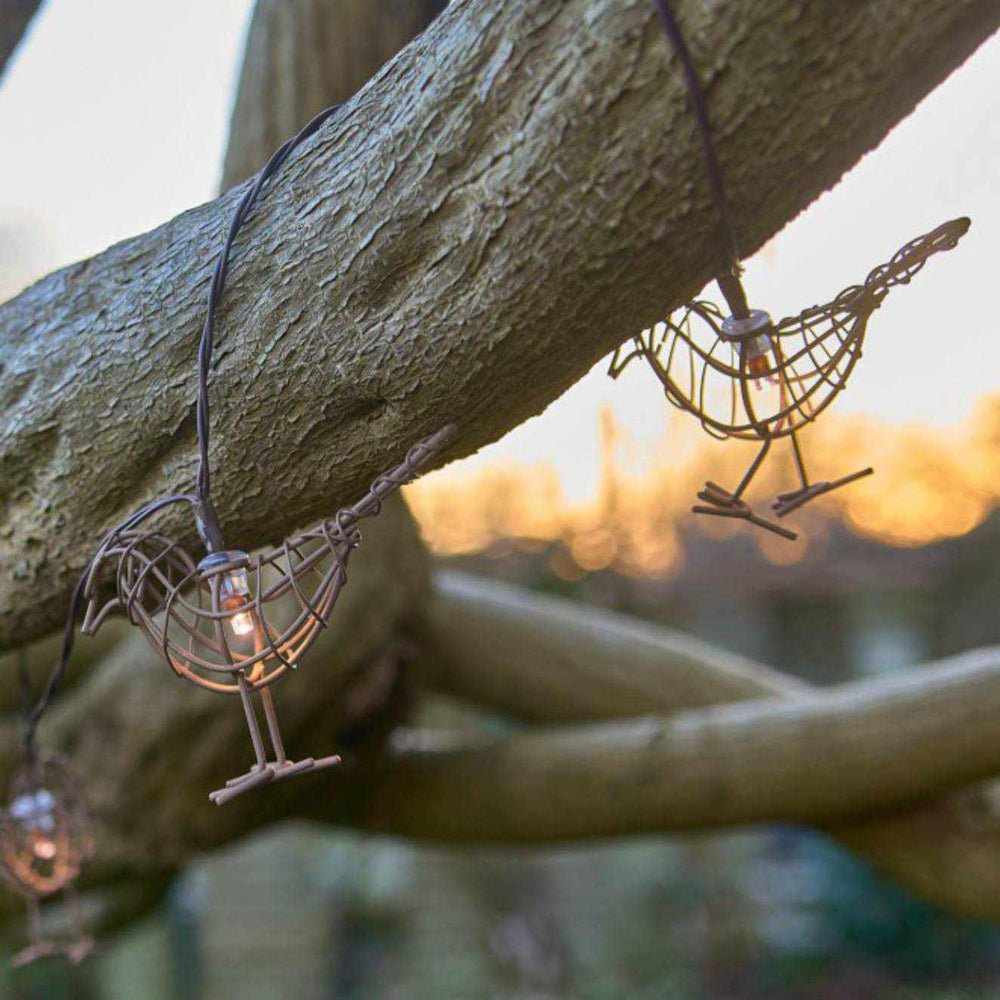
(230, 622)
(811, 355)
(180, 604)
(743, 376)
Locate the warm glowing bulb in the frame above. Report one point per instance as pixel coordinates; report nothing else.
(44, 848)
(759, 356)
(242, 624)
(235, 592)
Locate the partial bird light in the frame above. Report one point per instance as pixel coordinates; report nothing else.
(778, 376)
(44, 841)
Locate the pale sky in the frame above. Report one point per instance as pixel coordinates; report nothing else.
(113, 118)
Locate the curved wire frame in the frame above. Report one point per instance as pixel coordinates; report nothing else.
(44, 828)
(810, 356)
(180, 606)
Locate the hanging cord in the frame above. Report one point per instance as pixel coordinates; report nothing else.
(728, 276)
(205, 516)
(33, 714)
(208, 521)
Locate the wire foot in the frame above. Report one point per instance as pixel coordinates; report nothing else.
(719, 502)
(785, 503)
(269, 773)
(75, 952)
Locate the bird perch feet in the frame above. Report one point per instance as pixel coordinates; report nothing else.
(719, 502)
(75, 952)
(267, 774)
(785, 503)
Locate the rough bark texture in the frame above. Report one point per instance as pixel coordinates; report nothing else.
(542, 659)
(514, 194)
(305, 55)
(15, 16)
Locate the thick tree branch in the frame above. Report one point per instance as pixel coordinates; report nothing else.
(545, 659)
(863, 748)
(510, 197)
(15, 16)
(305, 55)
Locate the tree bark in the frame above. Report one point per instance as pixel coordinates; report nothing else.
(494, 211)
(15, 16)
(847, 759)
(514, 194)
(305, 55)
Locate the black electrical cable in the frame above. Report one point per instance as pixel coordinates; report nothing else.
(201, 500)
(214, 299)
(727, 234)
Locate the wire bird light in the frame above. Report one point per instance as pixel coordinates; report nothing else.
(230, 622)
(236, 623)
(44, 840)
(743, 375)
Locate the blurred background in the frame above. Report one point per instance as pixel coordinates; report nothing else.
(113, 118)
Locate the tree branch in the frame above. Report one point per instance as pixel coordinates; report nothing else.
(570, 662)
(543, 659)
(510, 197)
(148, 747)
(866, 747)
(15, 17)
(305, 55)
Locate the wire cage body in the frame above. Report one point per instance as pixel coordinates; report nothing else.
(770, 379)
(193, 615)
(749, 378)
(44, 841)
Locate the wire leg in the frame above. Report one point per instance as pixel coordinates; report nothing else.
(719, 502)
(34, 922)
(272, 725)
(752, 471)
(252, 724)
(799, 463)
(83, 943)
(36, 947)
(785, 503)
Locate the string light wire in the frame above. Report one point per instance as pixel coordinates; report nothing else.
(205, 516)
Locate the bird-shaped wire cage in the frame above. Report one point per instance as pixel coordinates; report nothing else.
(234, 622)
(44, 841)
(749, 378)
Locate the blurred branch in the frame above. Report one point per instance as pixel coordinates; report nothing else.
(830, 757)
(862, 748)
(510, 197)
(543, 659)
(15, 15)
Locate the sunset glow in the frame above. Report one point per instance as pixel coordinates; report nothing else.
(930, 484)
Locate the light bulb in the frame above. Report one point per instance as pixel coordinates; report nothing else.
(44, 848)
(759, 358)
(242, 624)
(234, 592)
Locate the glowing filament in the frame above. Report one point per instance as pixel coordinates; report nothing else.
(759, 356)
(234, 593)
(44, 847)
